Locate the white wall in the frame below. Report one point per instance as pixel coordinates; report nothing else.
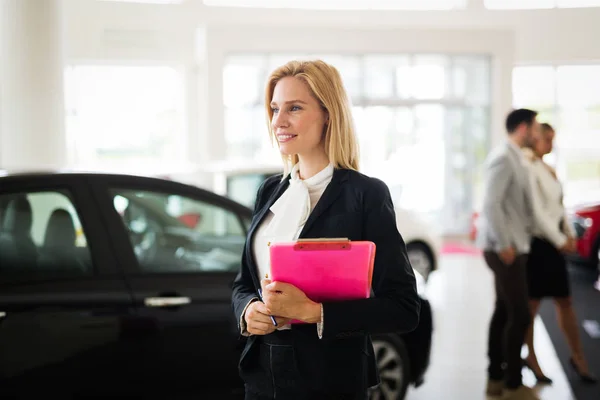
(162, 31)
(197, 38)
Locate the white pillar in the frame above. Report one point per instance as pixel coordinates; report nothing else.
(32, 115)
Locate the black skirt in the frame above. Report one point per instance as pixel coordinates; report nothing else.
(547, 274)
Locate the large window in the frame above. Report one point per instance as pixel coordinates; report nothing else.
(422, 122)
(124, 117)
(567, 97)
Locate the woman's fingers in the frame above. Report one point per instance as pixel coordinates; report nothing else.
(259, 312)
(264, 283)
(262, 310)
(256, 312)
(265, 328)
(258, 322)
(258, 319)
(260, 328)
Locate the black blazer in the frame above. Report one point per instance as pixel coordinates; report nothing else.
(359, 208)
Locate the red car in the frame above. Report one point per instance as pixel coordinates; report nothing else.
(585, 220)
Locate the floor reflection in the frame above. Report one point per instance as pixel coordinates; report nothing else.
(461, 293)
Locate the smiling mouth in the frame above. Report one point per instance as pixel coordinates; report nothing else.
(285, 138)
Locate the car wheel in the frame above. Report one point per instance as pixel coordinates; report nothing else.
(420, 258)
(394, 368)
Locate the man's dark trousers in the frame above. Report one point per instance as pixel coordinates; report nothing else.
(510, 320)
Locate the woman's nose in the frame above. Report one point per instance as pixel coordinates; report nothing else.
(279, 120)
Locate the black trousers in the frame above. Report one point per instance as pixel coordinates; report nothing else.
(510, 320)
(276, 376)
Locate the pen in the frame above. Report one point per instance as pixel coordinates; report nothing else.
(261, 299)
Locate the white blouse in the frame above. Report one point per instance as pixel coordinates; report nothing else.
(287, 216)
(547, 196)
(286, 219)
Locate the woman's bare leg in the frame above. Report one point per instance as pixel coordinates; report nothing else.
(534, 306)
(567, 321)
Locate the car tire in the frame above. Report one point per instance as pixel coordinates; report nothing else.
(393, 363)
(421, 258)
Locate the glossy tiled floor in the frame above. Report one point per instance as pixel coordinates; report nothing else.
(461, 294)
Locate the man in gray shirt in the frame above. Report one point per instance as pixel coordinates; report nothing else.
(504, 233)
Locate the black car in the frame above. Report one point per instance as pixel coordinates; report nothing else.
(117, 285)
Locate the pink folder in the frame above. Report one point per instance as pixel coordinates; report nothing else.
(325, 269)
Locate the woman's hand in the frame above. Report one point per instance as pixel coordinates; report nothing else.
(258, 319)
(290, 302)
(570, 246)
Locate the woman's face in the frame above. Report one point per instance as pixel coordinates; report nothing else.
(298, 119)
(544, 142)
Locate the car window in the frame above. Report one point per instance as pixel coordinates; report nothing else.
(171, 233)
(41, 236)
(247, 221)
(243, 187)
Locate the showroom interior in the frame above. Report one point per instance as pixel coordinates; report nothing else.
(174, 89)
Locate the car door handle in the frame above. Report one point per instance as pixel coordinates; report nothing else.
(166, 301)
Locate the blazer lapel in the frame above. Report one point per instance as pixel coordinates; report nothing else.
(332, 192)
(260, 216)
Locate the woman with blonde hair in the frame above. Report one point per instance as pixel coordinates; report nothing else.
(547, 274)
(320, 195)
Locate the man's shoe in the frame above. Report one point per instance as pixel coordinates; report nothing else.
(494, 388)
(521, 393)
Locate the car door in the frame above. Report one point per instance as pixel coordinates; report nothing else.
(182, 249)
(63, 306)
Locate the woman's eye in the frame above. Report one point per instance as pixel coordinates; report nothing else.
(275, 110)
(295, 108)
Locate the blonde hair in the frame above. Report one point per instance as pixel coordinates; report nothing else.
(546, 129)
(325, 84)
